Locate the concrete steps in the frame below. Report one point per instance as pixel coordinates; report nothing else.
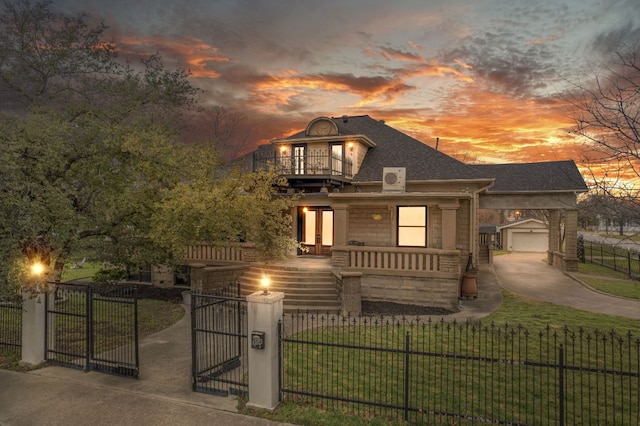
(305, 288)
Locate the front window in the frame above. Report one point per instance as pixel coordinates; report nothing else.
(412, 226)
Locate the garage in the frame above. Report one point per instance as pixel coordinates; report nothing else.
(530, 235)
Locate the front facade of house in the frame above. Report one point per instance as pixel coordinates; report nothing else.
(382, 205)
(392, 214)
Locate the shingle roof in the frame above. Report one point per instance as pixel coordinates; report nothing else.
(534, 177)
(396, 149)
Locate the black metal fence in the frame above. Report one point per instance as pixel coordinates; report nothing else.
(219, 342)
(93, 327)
(11, 324)
(429, 372)
(616, 258)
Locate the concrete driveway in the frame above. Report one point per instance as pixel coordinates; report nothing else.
(529, 275)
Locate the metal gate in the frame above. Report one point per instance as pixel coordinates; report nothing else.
(93, 328)
(219, 342)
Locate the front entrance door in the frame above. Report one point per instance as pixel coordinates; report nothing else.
(316, 231)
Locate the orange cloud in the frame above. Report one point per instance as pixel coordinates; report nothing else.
(196, 54)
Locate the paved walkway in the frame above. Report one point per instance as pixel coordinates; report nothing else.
(528, 275)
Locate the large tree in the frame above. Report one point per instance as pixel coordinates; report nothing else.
(89, 151)
(607, 116)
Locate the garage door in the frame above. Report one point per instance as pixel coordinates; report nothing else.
(529, 241)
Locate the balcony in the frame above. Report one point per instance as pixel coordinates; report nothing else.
(310, 169)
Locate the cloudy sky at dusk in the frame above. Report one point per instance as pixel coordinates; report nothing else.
(485, 76)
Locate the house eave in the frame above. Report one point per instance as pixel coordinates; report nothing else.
(487, 183)
(398, 194)
(334, 138)
(555, 191)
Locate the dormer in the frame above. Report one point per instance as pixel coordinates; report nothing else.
(325, 155)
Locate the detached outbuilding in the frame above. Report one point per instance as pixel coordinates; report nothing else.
(524, 235)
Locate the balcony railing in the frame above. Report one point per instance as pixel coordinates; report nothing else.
(307, 165)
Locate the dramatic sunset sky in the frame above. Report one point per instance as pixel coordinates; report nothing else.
(486, 76)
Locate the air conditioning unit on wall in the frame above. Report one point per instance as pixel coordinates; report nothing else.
(393, 179)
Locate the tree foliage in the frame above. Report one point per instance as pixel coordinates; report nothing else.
(607, 116)
(90, 158)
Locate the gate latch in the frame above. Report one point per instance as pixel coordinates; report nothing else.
(257, 339)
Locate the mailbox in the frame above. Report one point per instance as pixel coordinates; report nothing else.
(257, 339)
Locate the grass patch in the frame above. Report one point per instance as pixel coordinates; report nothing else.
(534, 314)
(609, 281)
(623, 288)
(83, 274)
(296, 414)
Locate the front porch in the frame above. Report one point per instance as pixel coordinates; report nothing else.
(416, 276)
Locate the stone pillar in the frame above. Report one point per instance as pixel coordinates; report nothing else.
(264, 312)
(571, 240)
(340, 224)
(33, 327)
(196, 275)
(449, 231)
(554, 235)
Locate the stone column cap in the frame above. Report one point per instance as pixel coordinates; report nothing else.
(269, 298)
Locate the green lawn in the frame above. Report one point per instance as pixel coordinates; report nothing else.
(83, 274)
(609, 281)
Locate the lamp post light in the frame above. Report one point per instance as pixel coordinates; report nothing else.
(37, 269)
(265, 282)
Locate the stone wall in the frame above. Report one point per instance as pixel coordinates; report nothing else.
(371, 225)
(431, 292)
(206, 278)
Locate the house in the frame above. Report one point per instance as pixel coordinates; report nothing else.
(395, 219)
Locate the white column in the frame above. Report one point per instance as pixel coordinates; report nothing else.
(264, 312)
(33, 328)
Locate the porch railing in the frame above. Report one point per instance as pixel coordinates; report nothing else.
(208, 252)
(310, 164)
(405, 259)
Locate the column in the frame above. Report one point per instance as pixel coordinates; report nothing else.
(196, 276)
(449, 225)
(264, 312)
(34, 313)
(339, 251)
(554, 235)
(571, 240)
